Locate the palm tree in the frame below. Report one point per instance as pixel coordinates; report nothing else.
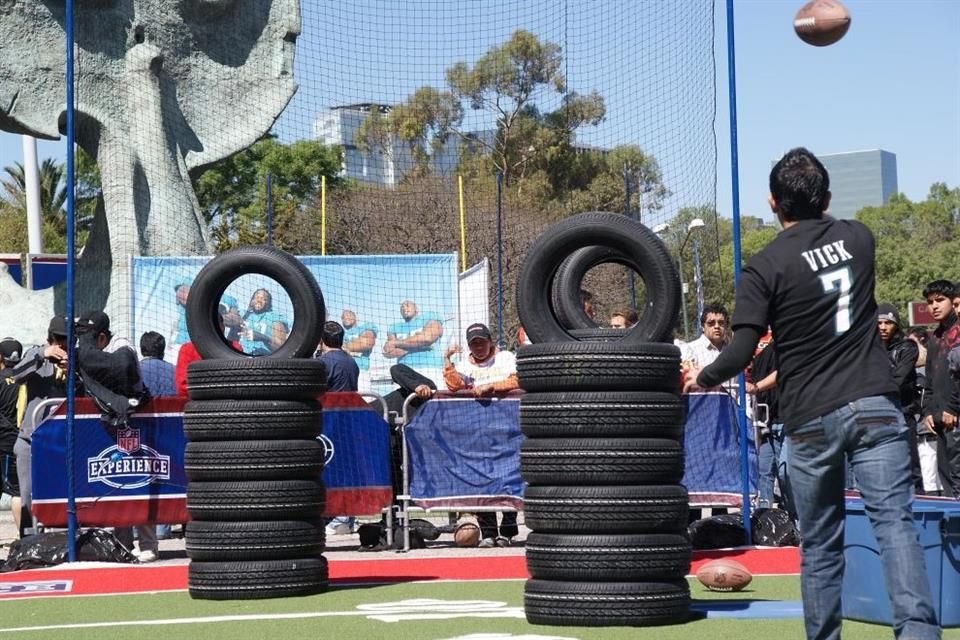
(52, 195)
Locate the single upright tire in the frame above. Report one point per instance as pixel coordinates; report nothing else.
(618, 233)
(203, 313)
(568, 283)
(256, 379)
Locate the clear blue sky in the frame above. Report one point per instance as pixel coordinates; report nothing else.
(893, 83)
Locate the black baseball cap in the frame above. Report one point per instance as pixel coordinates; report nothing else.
(478, 330)
(57, 326)
(94, 322)
(11, 350)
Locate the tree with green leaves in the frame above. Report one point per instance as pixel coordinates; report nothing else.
(233, 192)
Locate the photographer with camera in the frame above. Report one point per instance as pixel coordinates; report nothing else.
(43, 373)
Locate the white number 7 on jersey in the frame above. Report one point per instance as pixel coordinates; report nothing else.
(832, 281)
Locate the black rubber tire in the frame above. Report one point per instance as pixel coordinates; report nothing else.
(606, 604)
(256, 379)
(217, 420)
(601, 414)
(608, 558)
(568, 282)
(257, 579)
(619, 233)
(625, 509)
(203, 316)
(601, 461)
(231, 541)
(599, 334)
(599, 366)
(254, 460)
(256, 500)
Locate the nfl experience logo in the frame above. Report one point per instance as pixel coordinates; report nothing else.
(129, 464)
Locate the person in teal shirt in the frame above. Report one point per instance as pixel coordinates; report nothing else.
(359, 340)
(264, 330)
(182, 290)
(414, 340)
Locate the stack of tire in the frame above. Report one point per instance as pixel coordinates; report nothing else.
(603, 458)
(253, 459)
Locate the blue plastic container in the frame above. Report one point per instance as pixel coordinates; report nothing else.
(864, 591)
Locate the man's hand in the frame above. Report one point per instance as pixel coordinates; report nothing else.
(949, 421)
(690, 381)
(928, 424)
(483, 390)
(56, 355)
(752, 388)
(451, 351)
(424, 392)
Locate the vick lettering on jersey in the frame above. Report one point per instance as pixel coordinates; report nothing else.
(827, 255)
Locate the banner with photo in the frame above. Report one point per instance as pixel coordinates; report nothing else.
(366, 292)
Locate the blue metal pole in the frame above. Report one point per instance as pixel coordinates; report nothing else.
(270, 209)
(501, 341)
(735, 192)
(71, 256)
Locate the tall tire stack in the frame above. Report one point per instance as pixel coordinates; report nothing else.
(603, 457)
(253, 458)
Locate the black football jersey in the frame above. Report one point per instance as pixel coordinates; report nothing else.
(814, 286)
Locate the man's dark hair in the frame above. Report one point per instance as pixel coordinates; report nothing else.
(944, 288)
(714, 307)
(332, 334)
(152, 345)
(585, 296)
(920, 333)
(799, 183)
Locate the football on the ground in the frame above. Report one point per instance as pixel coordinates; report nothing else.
(724, 574)
(467, 534)
(821, 22)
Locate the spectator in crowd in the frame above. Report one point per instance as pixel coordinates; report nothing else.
(485, 371)
(182, 292)
(157, 373)
(42, 371)
(697, 354)
(814, 286)
(118, 372)
(359, 340)
(941, 404)
(187, 354)
(414, 340)
(919, 335)
(342, 374)
(903, 356)
(10, 351)
(772, 452)
(264, 330)
(623, 318)
(342, 371)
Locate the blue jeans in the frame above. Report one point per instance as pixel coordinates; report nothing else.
(871, 434)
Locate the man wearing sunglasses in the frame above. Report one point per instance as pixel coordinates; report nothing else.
(713, 337)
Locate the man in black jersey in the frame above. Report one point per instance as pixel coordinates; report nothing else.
(814, 285)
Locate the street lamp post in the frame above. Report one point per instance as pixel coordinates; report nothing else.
(692, 226)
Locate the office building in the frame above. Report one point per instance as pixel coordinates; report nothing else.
(860, 179)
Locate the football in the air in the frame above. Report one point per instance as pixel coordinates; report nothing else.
(724, 575)
(821, 22)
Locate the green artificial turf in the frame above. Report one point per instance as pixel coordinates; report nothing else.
(346, 612)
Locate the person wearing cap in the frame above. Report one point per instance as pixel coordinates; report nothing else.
(10, 350)
(42, 372)
(903, 354)
(487, 370)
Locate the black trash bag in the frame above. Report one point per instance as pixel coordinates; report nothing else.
(373, 537)
(50, 548)
(718, 532)
(773, 528)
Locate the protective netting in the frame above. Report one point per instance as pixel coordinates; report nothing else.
(409, 151)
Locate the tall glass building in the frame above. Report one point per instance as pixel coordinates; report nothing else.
(860, 179)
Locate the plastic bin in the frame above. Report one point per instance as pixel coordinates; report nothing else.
(864, 590)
